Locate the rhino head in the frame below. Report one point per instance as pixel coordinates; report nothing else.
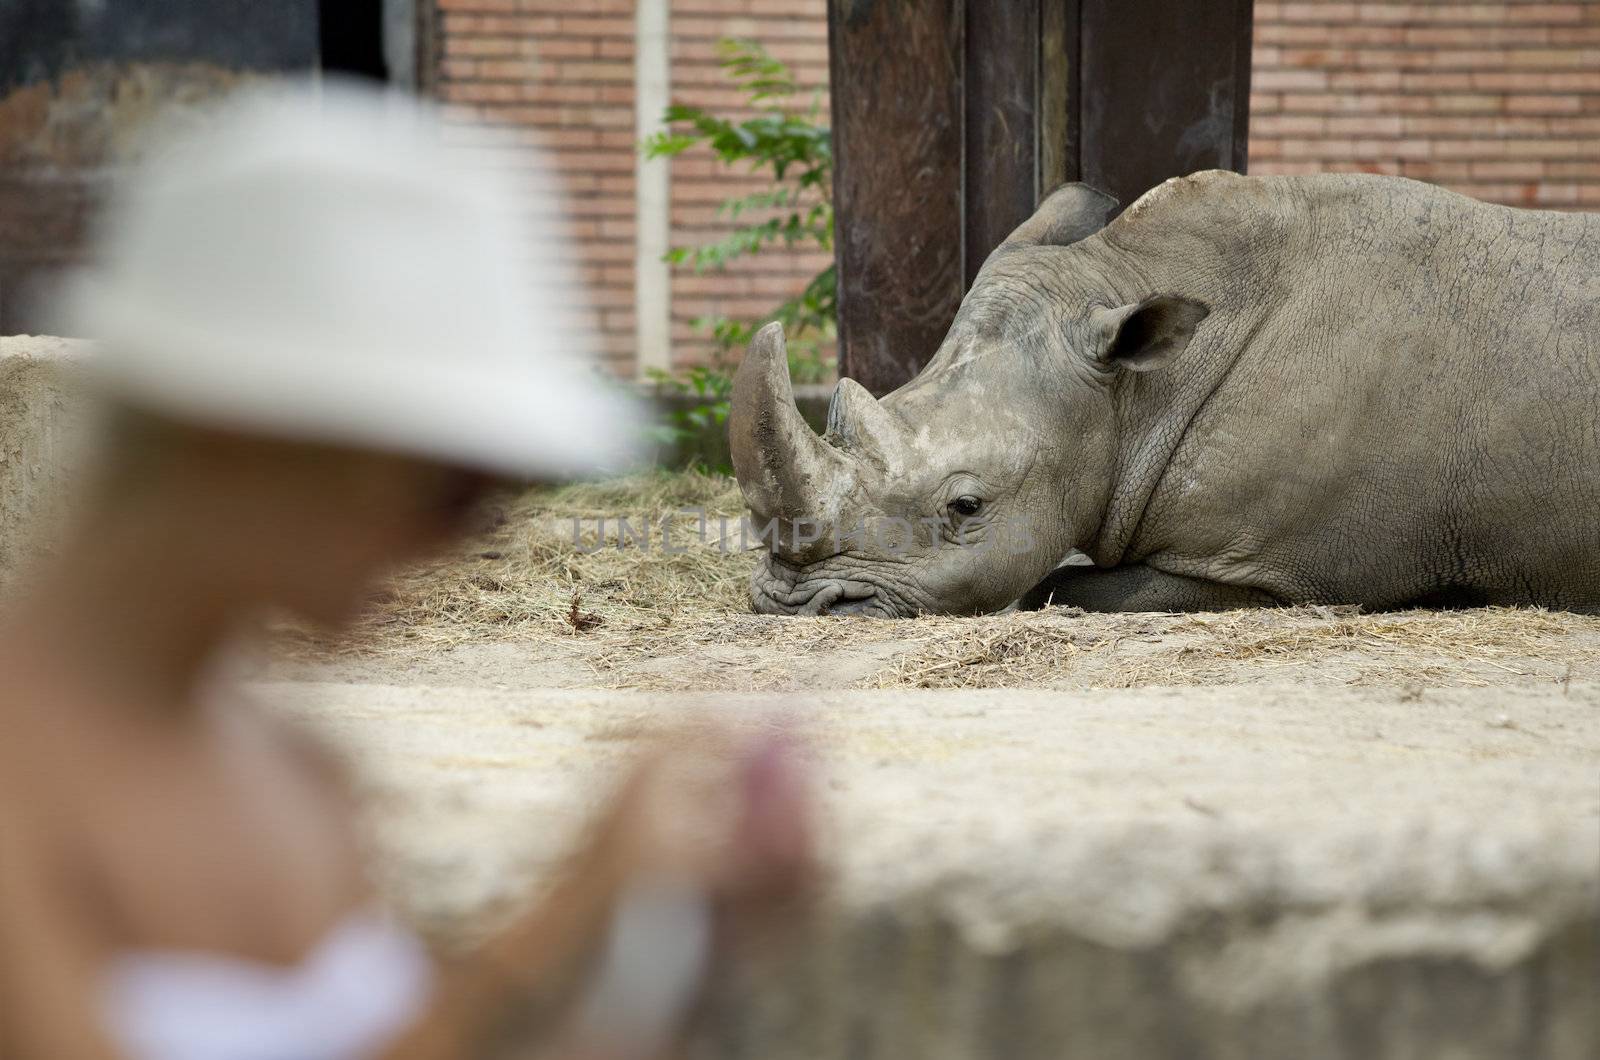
(958, 492)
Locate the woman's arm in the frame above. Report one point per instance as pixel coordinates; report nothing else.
(48, 965)
(730, 823)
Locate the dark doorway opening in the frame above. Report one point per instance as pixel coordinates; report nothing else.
(350, 37)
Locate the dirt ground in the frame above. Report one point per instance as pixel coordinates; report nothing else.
(1225, 830)
(1404, 653)
(546, 597)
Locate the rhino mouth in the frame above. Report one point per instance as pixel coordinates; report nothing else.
(780, 588)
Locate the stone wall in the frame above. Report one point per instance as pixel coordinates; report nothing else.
(1154, 874)
(79, 85)
(40, 438)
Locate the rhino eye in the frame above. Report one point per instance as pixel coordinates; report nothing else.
(966, 506)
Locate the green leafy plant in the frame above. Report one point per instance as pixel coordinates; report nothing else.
(793, 145)
(710, 389)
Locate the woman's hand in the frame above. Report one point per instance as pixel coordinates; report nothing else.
(705, 849)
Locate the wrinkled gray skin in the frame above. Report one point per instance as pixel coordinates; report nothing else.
(1327, 389)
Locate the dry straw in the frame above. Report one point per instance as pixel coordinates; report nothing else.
(642, 616)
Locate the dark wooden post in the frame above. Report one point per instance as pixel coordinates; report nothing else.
(951, 118)
(1163, 90)
(897, 129)
(1002, 143)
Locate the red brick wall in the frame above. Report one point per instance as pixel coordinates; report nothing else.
(565, 81)
(796, 32)
(1500, 101)
(1497, 100)
(561, 74)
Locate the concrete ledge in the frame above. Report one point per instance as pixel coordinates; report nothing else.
(38, 378)
(1173, 874)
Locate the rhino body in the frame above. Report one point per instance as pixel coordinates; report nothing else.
(1322, 389)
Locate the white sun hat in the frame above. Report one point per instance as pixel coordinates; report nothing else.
(321, 262)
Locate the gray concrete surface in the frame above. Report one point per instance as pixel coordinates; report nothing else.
(1206, 874)
(39, 436)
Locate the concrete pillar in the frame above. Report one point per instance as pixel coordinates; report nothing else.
(652, 276)
(40, 435)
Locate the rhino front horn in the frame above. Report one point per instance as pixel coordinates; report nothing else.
(785, 471)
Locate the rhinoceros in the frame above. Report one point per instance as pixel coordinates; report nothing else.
(1242, 391)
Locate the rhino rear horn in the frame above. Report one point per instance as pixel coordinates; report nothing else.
(1068, 214)
(784, 470)
(861, 423)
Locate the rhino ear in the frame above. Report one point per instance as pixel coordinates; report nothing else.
(1070, 213)
(1147, 334)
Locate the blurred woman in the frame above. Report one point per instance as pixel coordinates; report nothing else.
(320, 348)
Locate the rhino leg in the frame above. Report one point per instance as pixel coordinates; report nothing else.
(1137, 588)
